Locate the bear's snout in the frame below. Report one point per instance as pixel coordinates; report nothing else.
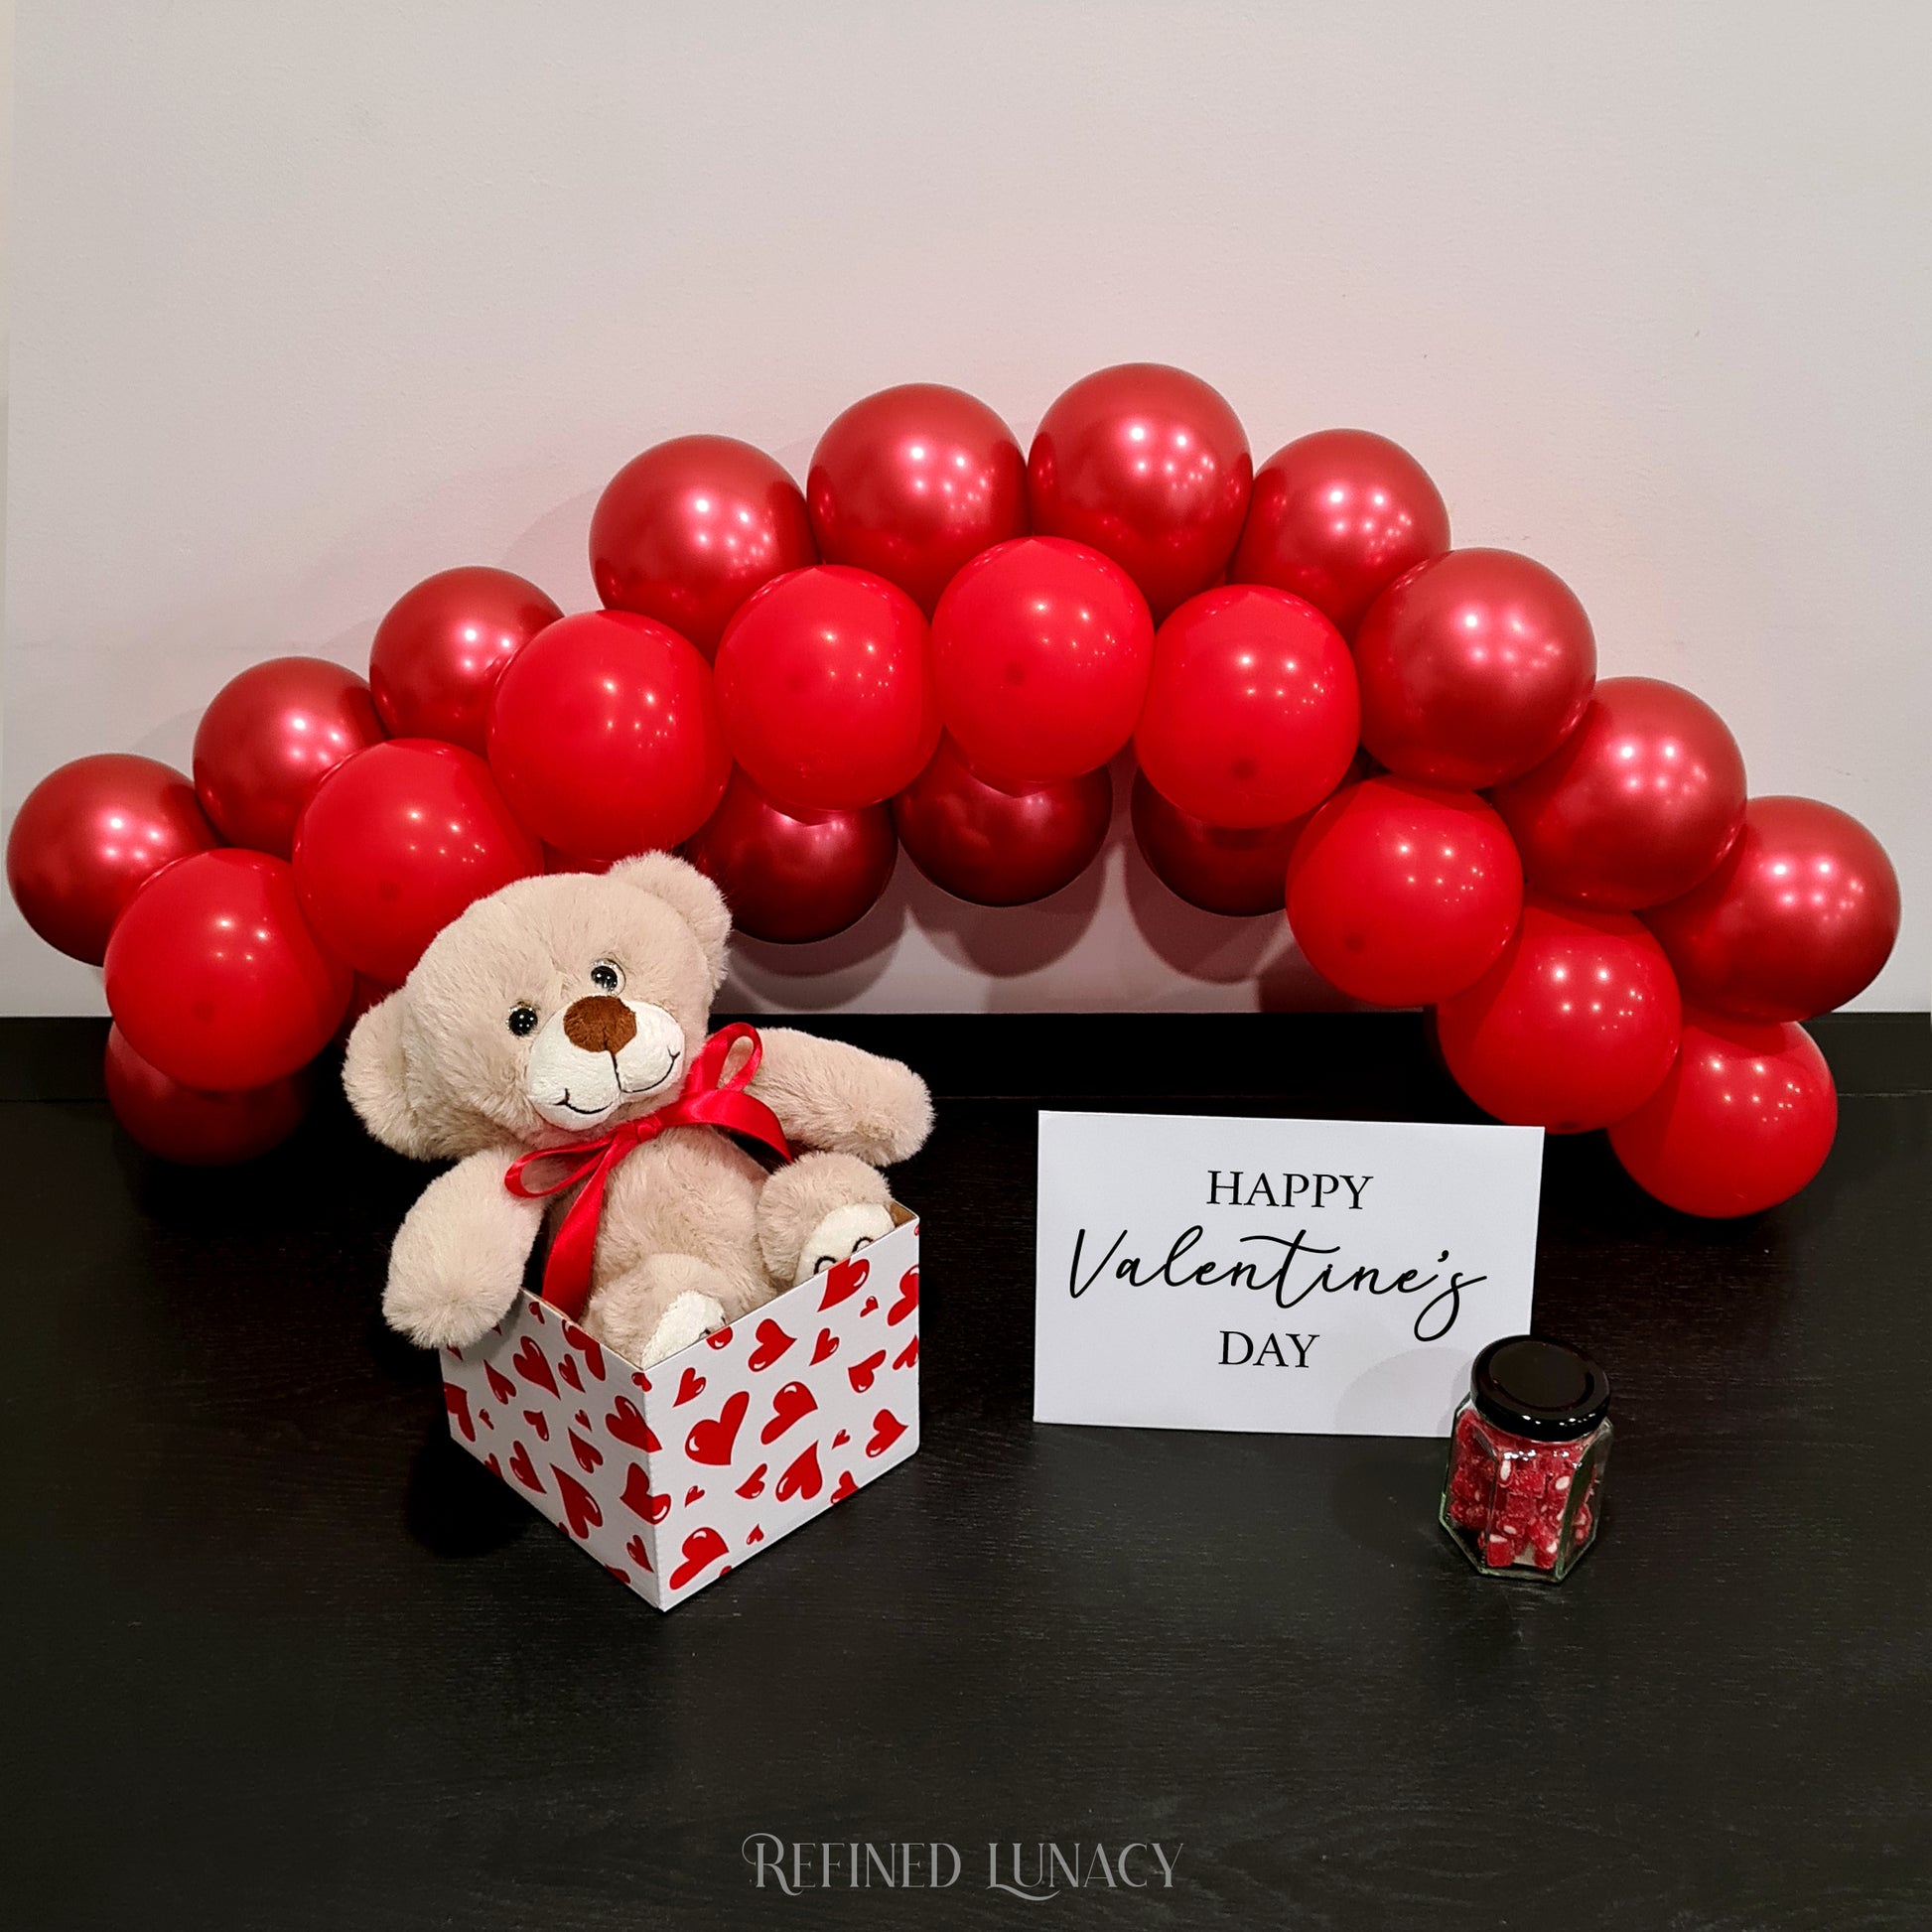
(601, 1023)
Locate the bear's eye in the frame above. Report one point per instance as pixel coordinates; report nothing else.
(523, 1019)
(607, 976)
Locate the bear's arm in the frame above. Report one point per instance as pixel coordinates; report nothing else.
(829, 1095)
(459, 1257)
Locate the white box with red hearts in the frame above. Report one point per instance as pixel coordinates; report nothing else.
(672, 1478)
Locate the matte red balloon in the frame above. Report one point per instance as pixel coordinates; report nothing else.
(910, 482)
(215, 977)
(1404, 894)
(1799, 917)
(997, 844)
(1239, 871)
(269, 739)
(1336, 517)
(1639, 803)
(1474, 666)
(438, 652)
(194, 1128)
(1573, 1026)
(88, 836)
(1251, 714)
(1743, 1121)
(687, 532)
(604, 735)
(794, 876)
(1041, 653)
(825, 683)
(396, 844)
(1149, 466)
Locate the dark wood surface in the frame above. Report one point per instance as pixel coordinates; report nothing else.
(277, 1655)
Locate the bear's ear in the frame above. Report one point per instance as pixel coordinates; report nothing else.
(375, 1076)
(690, 894)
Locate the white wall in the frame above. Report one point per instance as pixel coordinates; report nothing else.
(311, 300)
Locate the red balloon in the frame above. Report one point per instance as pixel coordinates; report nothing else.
(1799, 917)
(1474, 666)
(88, 836)
(555, 860)
(794, 876)
(1235, 871)
(1404, 894)
(438, 652)
(1745, 1120)
(215, 979)
(910, 482)
(604, 735)
(396, 844)
(268, 740)
(1149, 466)
(1251, 713)
(197, 1129)
(1575, 1025)
(996, 844)
(1336, 517)
(825, 683)
(687, 532)
(1637, 804)
(1040, 652)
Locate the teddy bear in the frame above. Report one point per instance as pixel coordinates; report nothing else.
(561, 1011)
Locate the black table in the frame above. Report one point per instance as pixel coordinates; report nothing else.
(280, 1656)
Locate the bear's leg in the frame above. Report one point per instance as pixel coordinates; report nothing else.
(818, 1211)
(664, 1303)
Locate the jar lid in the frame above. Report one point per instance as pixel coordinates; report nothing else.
(1539, 1389)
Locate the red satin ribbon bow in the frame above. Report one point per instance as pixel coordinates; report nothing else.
(706, 1100)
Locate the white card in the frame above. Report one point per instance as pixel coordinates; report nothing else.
(1321, 1277)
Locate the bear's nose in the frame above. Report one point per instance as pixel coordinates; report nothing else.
(602, 1023)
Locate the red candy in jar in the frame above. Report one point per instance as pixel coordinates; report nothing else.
(1528, 1448)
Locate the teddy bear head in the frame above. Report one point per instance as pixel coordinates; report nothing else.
(554, 1007)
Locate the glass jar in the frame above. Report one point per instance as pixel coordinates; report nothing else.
(1524, 1491)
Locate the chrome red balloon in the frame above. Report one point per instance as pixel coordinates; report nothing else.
(1474, 666)
(910, 482)
(1637, 804)
(998, 844)
(1336, 517)
(1149, 466)
(441, 648)
(197, 1129)
(1799, 917)
(793, 875)
(89, 835)
(1238, 872)
(270, 737)
(685, 532)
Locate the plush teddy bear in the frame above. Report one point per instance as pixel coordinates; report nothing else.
(556, 1010)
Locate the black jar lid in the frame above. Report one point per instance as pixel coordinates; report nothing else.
(1539, 1389)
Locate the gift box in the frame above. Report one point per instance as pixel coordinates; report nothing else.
(672, 1476)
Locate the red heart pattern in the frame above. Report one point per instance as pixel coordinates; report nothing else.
(772, 1342)
(671, 1503)
(711, 1441)
(844, 1281)
(533, 1365)
(791, 1404)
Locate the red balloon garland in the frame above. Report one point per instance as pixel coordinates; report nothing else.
(608, 733)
